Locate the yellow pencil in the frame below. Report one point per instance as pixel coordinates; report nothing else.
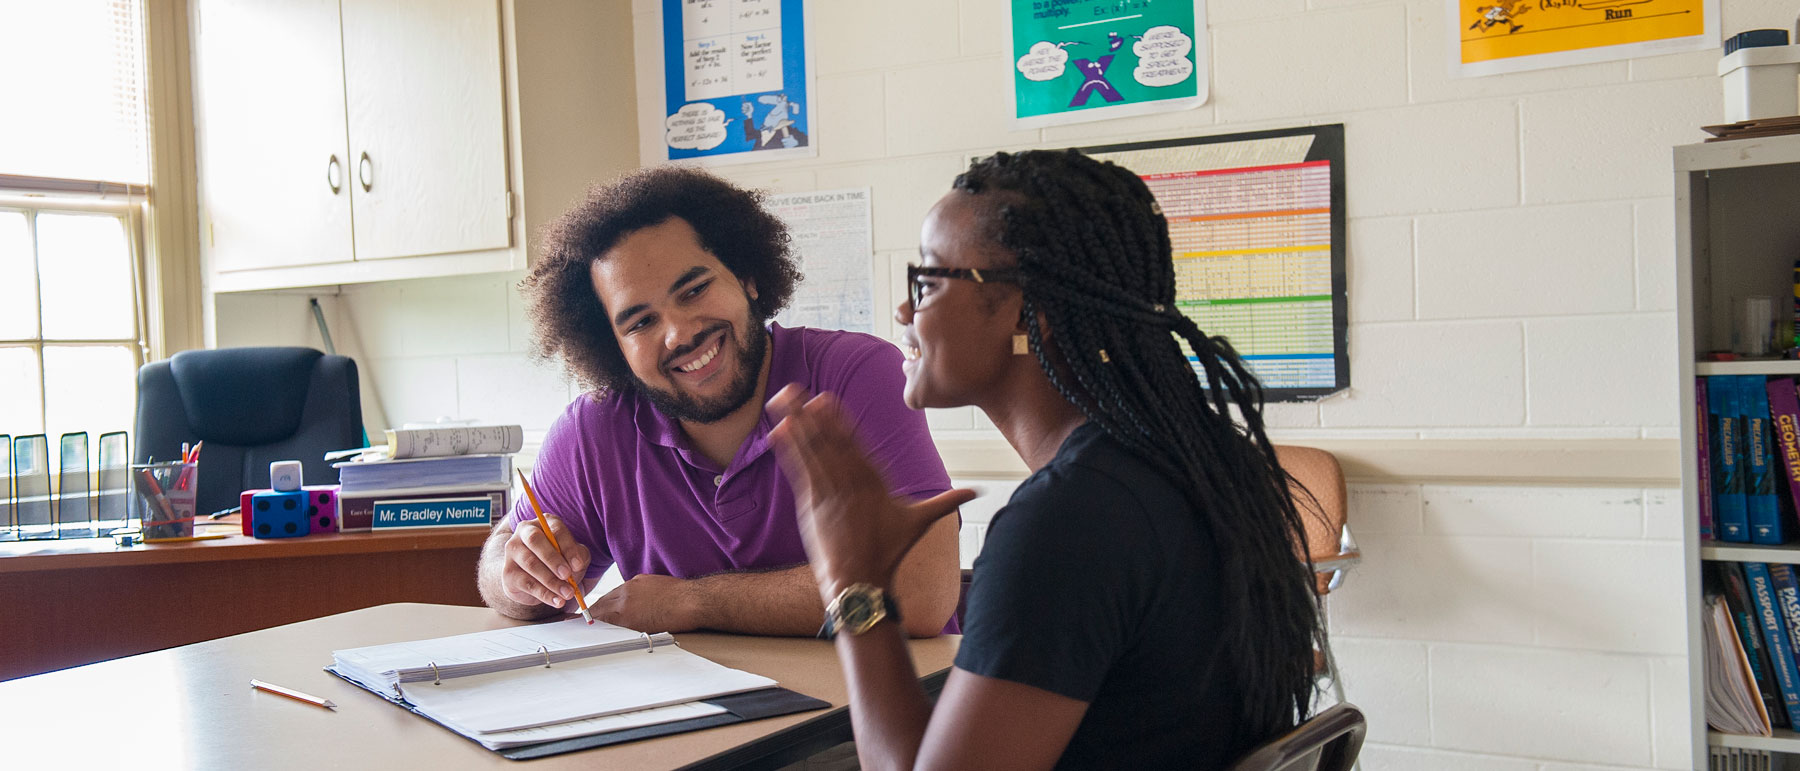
(580, 602)
(181, 538)
(292, 694)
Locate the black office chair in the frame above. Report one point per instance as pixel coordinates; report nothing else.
(251, 406)
(1330, 741)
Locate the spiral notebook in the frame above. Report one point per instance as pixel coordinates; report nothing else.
(544, 689)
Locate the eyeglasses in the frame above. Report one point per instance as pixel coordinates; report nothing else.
(915, 289)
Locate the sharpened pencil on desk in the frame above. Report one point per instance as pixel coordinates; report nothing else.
(292, 694)
(580, 602)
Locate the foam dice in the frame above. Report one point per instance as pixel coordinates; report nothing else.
(245, 509)
(322, 508)
(280, 515)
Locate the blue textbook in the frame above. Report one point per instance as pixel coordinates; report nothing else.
(1730, 513)
(1764, 509)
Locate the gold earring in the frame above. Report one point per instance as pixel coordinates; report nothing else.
(1021, 345)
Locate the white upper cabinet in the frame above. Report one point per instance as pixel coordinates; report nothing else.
(422, 81)
(346, 141)
(274, 161)
(336, 133)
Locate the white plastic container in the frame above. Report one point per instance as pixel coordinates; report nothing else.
(1762, 82)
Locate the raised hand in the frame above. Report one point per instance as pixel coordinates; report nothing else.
(853, 530)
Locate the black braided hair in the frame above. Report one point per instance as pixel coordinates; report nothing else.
(1094, 253)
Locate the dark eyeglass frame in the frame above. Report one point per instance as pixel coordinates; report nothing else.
(914, 290)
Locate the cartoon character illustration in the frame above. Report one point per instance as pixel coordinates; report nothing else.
(1503, 12)
(1094, 81)
(778, 123)
(779, 127)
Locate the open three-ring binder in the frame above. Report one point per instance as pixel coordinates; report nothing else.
(546, 689)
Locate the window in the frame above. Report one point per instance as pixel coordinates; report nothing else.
(74, 90)
(74, 169)
(69, 331)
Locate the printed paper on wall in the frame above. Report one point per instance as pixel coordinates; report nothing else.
(1075, 61)
(1495, 36)
(736, 82)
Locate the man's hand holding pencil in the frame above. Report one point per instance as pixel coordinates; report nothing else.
(544, 561)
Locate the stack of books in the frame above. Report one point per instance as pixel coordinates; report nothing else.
(1749, 464)
(435, 477)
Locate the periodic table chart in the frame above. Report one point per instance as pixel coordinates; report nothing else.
(1256, 222)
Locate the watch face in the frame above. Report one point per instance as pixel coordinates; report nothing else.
(860, 610)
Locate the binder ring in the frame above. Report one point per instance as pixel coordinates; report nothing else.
(546, 656)
(436, 679)
(649, 643)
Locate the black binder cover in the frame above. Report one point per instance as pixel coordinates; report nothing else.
(741, 707)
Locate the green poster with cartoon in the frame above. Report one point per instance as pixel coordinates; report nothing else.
(1085, 60)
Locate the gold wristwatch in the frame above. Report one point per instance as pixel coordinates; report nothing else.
(857, 609)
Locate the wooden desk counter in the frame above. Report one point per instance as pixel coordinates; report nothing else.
(73, 602)
(192, 707)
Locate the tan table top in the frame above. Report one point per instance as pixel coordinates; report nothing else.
(192, 707)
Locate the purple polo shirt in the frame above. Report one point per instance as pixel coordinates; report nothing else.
(633, 489)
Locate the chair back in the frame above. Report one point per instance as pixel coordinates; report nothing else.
(251, 406)
(1325, 510)
(1330, 741)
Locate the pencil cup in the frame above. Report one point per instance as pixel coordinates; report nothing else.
(163, 498)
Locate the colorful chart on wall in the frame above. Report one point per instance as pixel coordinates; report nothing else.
(1084, 60)
(736, 79)
(1495, 36)
(1257, 225)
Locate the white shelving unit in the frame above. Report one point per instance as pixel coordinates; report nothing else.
(1737, 233)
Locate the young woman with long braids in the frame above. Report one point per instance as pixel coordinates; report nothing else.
(1142, 600)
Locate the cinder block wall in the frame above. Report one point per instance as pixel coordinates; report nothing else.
(1512, 276)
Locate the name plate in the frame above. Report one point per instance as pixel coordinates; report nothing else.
(434, 512)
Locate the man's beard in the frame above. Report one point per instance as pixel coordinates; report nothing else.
(686, 407)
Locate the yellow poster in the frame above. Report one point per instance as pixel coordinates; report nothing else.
(1511, 35)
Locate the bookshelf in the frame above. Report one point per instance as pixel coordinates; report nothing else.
(1736, 234)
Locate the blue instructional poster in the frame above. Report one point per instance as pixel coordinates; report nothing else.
(736, 80)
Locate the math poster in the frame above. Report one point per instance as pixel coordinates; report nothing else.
(736, 82)
(1495, 36)
(1085, 60)
(1257, 225)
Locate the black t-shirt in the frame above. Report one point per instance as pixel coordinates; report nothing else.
(1097, 582)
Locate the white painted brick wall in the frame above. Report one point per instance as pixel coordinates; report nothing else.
(1380, 269)
(1312, 64)
(1515, 627)
(1526, 261)
(1600, 370)
(1474, 377)
(1473, 143)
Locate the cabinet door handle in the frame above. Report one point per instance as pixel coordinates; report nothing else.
(365, 172)
(334, 174)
